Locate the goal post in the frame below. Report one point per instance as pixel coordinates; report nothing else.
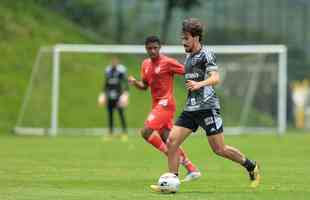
(279, 51)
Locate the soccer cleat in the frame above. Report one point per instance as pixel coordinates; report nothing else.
(254, 177)
(124, 138)
(192, 176)
(155, 188)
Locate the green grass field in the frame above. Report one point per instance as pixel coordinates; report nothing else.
(73, 168)
(79, 167)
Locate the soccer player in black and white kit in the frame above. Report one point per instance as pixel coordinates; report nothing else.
(202, 106)
(115, 93)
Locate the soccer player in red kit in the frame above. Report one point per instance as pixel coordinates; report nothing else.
(157, 72)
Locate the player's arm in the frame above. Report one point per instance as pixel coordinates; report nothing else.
(102, 96)
(141, 85)
(105, 85)
(213, 79)
(124, 82)
(176, 67)
(213, 74)
(124, 98)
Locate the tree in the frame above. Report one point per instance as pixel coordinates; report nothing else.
(186, 5)
(120, 29)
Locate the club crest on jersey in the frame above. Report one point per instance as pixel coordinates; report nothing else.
(150, 117)
(146, 70)
(163, 102)
(195, 60)
(157, 70)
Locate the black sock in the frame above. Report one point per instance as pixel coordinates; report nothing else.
(249, 164)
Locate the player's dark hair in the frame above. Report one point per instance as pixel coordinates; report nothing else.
(152, 39)
(193, 26)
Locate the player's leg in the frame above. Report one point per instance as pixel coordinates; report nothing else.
(124, 136)
(154, 123)
(123, 120)
(176, 137)
(220, 148)
(183, 127)
(110, 111)
(192, 171)
(211, 122)
(156, 132)
(110, 121)
(153, 138)
(180, 131)
(183, 157)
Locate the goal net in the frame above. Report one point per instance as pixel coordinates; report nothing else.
(67, 79)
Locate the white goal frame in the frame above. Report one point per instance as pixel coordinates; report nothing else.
(279, 50)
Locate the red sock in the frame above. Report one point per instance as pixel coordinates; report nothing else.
(158, 143)
(186, 162)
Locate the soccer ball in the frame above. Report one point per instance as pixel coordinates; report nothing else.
(168, 183)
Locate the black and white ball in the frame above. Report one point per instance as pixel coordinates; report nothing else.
(169, 183)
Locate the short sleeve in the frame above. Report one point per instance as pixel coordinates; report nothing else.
(176, 67)
(122, 69)
(210, 61)
(107, 71)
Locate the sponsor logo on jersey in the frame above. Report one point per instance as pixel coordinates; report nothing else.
(113, 81)
(191, 75)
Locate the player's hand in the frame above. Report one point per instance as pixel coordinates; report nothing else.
(193, 85)
(101, 100)
(131, 80)
(123, 100)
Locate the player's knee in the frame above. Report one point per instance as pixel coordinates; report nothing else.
(219, 151)
(146, 132)
(172, 143)
(165, 135)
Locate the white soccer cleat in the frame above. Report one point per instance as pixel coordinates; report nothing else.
(192, 176)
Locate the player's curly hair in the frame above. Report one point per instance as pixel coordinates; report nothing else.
(193, 26)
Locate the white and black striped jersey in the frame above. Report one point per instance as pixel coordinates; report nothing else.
(197, 67)
(115, 81)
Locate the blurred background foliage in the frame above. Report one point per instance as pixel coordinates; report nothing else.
(228, 22)
(28, 25)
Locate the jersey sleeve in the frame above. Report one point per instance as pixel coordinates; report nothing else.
(143, 73)
(210, 61)
(176, 67)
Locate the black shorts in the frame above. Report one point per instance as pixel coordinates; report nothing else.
(112, 103)
(210, 120)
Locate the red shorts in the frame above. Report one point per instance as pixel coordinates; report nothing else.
(160, 118)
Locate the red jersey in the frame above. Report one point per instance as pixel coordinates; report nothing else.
(159, 75)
